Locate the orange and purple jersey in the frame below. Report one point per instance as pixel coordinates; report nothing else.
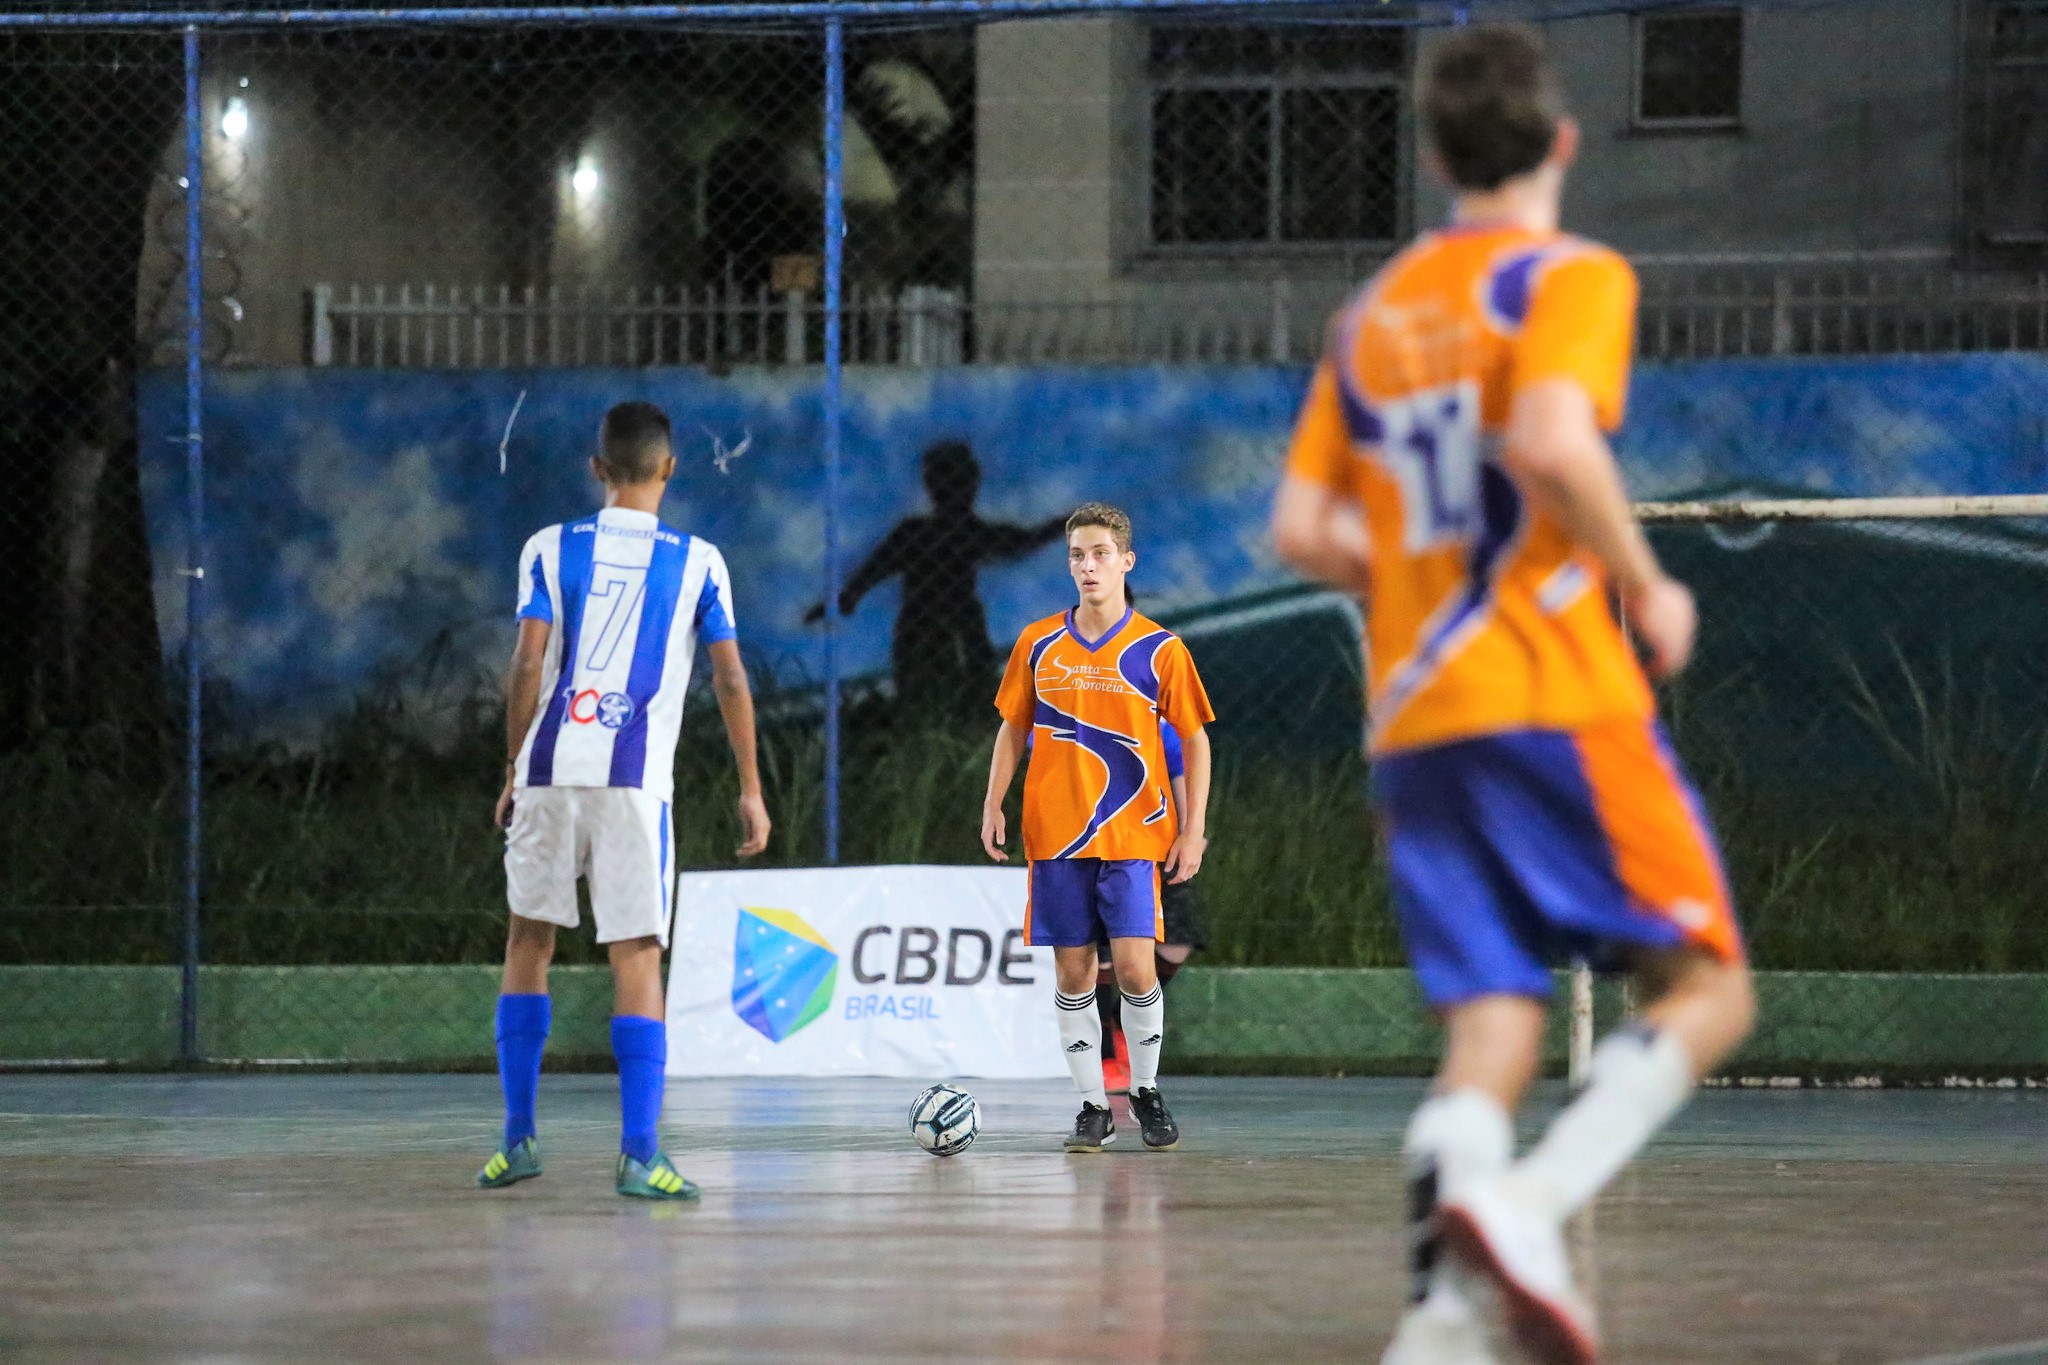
(1531, 805)
(1097, 784)
(1484, 617)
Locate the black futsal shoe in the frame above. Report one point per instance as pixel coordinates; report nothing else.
(1094, 1129)
(1155, 1122)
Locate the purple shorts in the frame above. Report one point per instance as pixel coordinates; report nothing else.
(1075, 901)
(1513, 852)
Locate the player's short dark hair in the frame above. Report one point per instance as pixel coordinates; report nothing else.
(632, 442)
(1490, 104)
(1114, 520)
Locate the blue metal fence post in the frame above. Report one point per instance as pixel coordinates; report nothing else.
(835, 260)
(195, 571)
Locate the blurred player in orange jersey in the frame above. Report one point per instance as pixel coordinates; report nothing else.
(1451, 466)
(1088, 692)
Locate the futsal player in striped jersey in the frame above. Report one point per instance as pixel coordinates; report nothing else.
(1087, 691)
(612, 609)
(1451, 465)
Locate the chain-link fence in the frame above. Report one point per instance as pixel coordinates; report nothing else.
(913, 281)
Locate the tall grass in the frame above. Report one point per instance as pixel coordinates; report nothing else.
(1929, 854)
(376, 846)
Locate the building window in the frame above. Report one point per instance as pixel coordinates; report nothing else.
(1272, 136)
(1689, 69)
(2014, 143)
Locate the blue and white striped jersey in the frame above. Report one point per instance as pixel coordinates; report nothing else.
(630, 600)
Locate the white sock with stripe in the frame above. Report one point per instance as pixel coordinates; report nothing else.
(1081, 1036)
(1640, 1077)
(1144, 1031)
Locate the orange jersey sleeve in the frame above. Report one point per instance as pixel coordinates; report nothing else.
(1581, 327)
(1321, 450)
(1183, 701)
(1017, 696)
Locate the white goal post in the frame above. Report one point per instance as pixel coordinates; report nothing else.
(1741, 510)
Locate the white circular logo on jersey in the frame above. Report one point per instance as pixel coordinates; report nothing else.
(614, 709)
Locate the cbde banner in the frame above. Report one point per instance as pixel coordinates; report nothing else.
(919, 972)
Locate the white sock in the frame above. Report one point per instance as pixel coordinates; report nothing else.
(1453, 1139)
(1144, 1031)
(1081, 1036)
(1639, 1078)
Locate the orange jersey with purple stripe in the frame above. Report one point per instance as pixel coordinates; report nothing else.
(1097, 786)
(1483, 616)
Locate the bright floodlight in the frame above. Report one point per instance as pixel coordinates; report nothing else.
(234, 123)
(584, 181)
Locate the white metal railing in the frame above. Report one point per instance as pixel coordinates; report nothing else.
(456, 327)
(1719, 310)
(1691, 309)
(1286, 326)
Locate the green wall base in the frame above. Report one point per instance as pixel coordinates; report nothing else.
(1274, 1020)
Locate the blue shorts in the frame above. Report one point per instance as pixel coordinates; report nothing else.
(1512, 852)
(1073, 901)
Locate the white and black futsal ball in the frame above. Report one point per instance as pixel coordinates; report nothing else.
(944, 1119)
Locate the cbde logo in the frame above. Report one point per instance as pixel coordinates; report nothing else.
(783, 972)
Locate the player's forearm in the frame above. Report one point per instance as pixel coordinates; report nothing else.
(736, 706)
(1195, 808)
(1582, 490)
(1319, 536)
(1002, 764)
(1560, 457)
(522, 703)
(1330, 564)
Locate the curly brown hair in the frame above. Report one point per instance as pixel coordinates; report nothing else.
(1114, 520)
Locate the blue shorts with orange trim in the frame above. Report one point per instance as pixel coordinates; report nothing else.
(1072, 901)
(1513, 852)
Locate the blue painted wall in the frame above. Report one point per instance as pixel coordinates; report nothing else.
(362, 532)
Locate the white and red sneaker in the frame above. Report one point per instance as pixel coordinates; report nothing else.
(1447, 1328)
(1523, 1252)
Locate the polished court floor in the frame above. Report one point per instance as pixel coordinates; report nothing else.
(330, 1218)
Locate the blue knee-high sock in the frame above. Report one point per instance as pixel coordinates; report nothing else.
(641, 1045)
(522, 1036)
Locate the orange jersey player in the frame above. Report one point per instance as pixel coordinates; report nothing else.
(1089, 693)
(1486, 615)
(1451, 465)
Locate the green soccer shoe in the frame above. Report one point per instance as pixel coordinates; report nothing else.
(509, 1166)
(655, 1180)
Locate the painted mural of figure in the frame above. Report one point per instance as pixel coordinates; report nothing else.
(940, 652)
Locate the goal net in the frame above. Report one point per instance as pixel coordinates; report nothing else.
(1867, 720)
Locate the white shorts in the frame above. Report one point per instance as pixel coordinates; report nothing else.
(618, 839)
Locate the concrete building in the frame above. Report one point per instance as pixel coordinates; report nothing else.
(1789, 177)
(396, 168)
(1780, 150)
